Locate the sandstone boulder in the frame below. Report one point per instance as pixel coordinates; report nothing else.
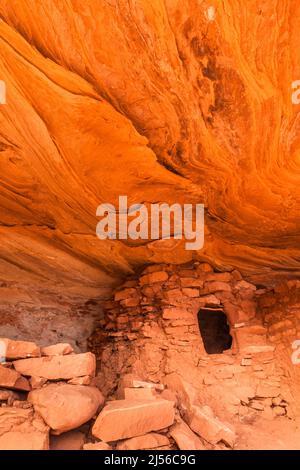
(58, 367)
(11, 349)
(86, 380)
(185, 438)
(60, 349)
(169, 395)
(37, 382)
(132, 381)
(185, 392)
(202, 421)
(21, 429)
(65, 407)
(123, 419)
(10, 378)
(139, 394)
(146, 442)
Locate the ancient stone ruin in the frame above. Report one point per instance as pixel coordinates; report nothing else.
(184, 358)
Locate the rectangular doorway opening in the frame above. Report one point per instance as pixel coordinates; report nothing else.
(215, 330)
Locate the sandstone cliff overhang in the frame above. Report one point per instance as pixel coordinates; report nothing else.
(164, 101)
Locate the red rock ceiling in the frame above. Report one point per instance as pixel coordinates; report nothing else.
(159, 100)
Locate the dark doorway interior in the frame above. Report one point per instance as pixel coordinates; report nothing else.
(214, 330)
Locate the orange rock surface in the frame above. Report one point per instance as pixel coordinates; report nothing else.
(162, 101)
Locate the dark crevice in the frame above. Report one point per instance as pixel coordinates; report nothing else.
(215, 330)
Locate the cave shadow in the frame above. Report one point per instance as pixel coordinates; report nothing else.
(214, 330)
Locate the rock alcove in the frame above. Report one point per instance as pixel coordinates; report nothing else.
(172, 101)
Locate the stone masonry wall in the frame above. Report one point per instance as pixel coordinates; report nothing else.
(158, 311)
(151, 330)
(280, 312)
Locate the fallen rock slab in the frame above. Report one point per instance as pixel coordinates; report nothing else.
(65, 407)
(58, 367)
(60, 349)
(86, 380)
(203, 423)
(37, 382)
(11, 349)
(22, 429)
(185, 438)
(132, 381)
(146, 442)
(122, 419)
(185, 392)
(10, 378)
(139, 394)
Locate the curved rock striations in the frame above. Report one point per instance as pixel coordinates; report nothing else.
(162, 101)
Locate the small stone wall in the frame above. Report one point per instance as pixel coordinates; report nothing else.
(151, 330)
(280, 311)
